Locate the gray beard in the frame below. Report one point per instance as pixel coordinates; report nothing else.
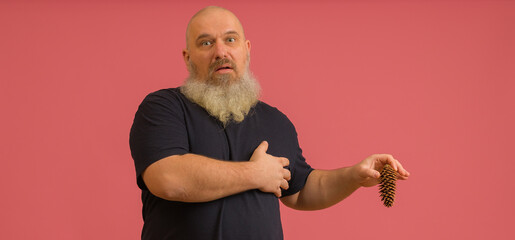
(225, 101)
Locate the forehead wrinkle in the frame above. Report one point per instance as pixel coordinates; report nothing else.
(203, 35)
(232, 32)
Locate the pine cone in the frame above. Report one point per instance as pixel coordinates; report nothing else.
(387, 185)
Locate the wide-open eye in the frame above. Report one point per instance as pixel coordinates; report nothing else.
(231, 40)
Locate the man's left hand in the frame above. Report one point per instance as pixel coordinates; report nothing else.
(367, 172)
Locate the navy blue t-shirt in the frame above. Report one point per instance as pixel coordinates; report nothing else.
(167, 124)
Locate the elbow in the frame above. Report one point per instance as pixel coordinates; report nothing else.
(164, 180)
(165, 187)
(170, 192)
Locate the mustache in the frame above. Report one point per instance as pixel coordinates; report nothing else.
(218, 63)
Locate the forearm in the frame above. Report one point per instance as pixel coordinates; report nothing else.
(325, 188)
(195, 178)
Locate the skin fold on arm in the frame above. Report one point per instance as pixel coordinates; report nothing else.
(195, 178)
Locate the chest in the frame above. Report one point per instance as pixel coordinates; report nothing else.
(237, 141)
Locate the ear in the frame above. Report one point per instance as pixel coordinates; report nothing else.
(247, 44)
(186, 56)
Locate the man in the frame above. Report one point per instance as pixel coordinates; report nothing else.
(212, 160)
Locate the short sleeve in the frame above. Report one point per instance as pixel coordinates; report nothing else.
(299, 170)
(158, 131)
(286, 137)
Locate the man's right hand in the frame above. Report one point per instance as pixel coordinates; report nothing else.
(270, 174)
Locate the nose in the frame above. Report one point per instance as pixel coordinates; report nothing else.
(220, 50)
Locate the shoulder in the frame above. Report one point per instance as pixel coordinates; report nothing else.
(170, 98)
(163, 95)
(269, 110)
(274, 116)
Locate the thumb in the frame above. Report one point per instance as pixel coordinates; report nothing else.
(372, 173)
(262, 147)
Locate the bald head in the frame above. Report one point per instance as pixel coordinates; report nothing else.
(209, 16)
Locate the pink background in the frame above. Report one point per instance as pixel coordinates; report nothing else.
(430, 82)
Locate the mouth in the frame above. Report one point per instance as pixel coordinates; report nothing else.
(224, 68)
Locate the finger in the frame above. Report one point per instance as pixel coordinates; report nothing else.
(284, 184)
(286, 174)
(285, 162)
(402, 170)
(397, 166)
(401, 177)
(278, 192)
(262, 147)
(386, 159)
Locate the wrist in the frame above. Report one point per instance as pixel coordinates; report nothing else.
(249, 173)
(352, 177)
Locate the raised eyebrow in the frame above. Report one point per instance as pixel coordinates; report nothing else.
(204, 35)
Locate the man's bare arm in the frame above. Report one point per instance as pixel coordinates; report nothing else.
(195, 178)
(325, 188)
